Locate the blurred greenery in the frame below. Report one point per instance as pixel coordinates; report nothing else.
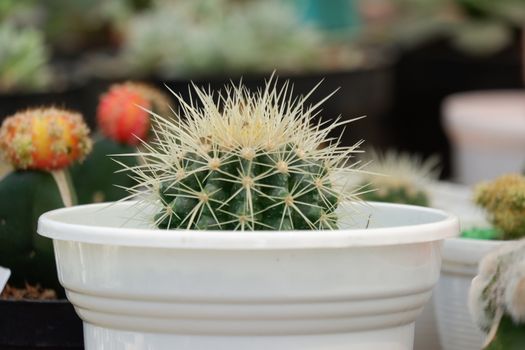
(177, 38)
(23, 59)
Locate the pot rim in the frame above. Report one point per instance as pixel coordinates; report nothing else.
(50, 225)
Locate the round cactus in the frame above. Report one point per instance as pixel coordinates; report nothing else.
(44, 139)
(244, 161)
(398, 177)
(122, 113)
(504, 201)
(497, 297)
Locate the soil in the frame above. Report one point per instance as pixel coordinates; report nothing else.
(29, 292)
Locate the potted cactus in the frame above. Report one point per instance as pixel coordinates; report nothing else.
(39, 144)
(123, 120)
(501, 201)
(238, 237)
(497, 297)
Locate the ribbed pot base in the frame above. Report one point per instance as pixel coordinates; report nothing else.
(397, 338)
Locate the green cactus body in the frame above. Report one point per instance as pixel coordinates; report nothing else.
(253, 162)
(97, 178)
(509, 336)
(25, 196)
(249, 193)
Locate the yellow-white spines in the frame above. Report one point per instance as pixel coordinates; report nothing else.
(244, 160)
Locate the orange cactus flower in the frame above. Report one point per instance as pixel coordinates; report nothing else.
(119, 115)
(44, 139)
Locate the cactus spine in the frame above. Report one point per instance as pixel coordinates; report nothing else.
(244, 161)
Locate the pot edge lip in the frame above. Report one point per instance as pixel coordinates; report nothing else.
(447, 227)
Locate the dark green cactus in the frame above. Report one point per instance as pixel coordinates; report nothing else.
(25, 196)
(257, 164)
(258, 193)
(97, 179)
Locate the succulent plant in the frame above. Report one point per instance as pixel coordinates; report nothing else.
(39, 144)
(244, 161)
(192, 37)
(23, 59)
(503, 199)
(398, 177)
(497, 297)
(123, 121)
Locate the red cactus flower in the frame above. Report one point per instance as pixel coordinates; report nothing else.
(120, 116)
(44, 139)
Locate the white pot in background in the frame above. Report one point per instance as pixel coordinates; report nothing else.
(138, 288)
(487, 133)
(461, 257)
(456, 199)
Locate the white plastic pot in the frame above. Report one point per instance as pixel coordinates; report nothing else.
(461, 257)
(138, 288)
(487, 132)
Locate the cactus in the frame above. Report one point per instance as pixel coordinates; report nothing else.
(23, 59)
(39, 144)
(503, 199)
(399, 177)
(123, 121)
(244, 161)
(122, 112)
(497, 297)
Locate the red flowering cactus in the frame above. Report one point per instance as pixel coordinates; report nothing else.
(44, 139)
(120, 116)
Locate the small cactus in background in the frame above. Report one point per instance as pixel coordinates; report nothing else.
(23, 59)
(39, 144)
(497, 297)
(122, 112)
(504, 201)
(44, 139)
(398, 177)
(244, 161)
(123, 121)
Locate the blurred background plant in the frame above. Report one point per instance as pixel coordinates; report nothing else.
(398, 177)
(203, 37)
(24, 59)
(477, 27)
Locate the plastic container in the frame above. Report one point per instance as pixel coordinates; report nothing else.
(140, 288)
(487, 132)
